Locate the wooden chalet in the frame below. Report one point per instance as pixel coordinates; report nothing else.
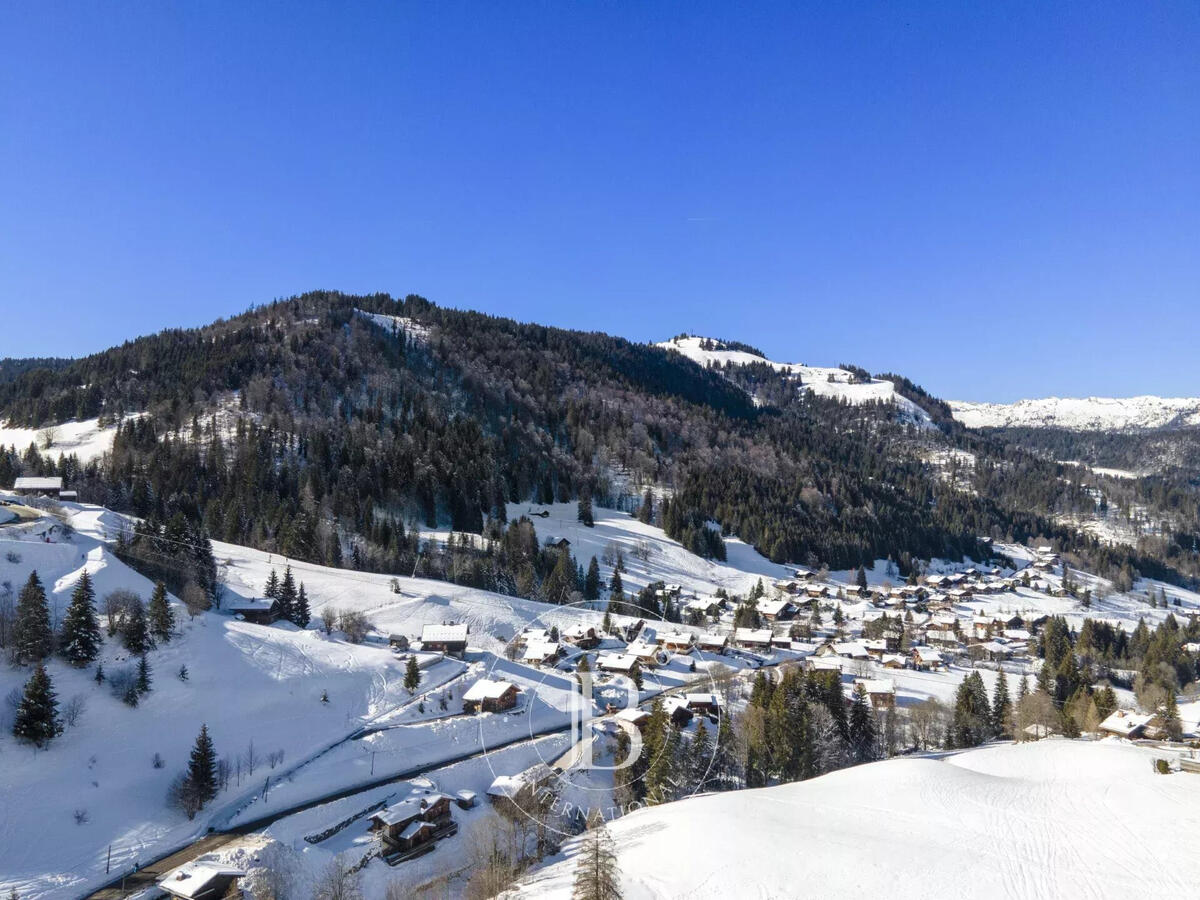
(260, 612)
(541, 653)
(881, 692)
(490, 696)
(705, 703)
(582, 636)
(677, 711)
(713, 643)
(33, 486)
(677, 641)
(451, 639)
(753, 638)
(411, 827)
(779, 610)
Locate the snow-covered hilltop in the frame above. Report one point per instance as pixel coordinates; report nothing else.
(1082, 414)
(825, 381)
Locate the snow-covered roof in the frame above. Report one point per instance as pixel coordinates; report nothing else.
(248, 604)
(633, 715)
(410, 806)
(33, 483)
(618, 662)
(535, 651)
(877, 685)
(677, 637)
(445, 633)
(414, 828)
(853, 649)
(708, 699)
(1124, 722)
(927, 654)
(712, 639)
(753, 635)
(773, 607)
(510, 785)
(485, 689)
(192, 880)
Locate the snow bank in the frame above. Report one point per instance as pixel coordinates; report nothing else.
(1081, 414)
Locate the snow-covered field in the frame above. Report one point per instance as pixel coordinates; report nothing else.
(1081, 414)
(1051, 819)
(84, 438)
(825, 381)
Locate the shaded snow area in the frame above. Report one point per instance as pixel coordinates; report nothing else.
(1081, 414)
(825, 381)
(1052, 819)
(84, 438)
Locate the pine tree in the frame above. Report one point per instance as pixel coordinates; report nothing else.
(699, 758)
(412, 675)
(99, 673)
(591, 581)
(585, 512)
(863, 738)
(1171, 723)
(606, 623)
(287, 596)
(162, 619)
(202, 768)
(143, 675)
(37, 715)
(271, 591)
(32, 637)
(635, 673)
(302, 612)
(861, 580)
(1023, 690)
(135, 633)
(81, 639)
(596, 868)
(1001, 706)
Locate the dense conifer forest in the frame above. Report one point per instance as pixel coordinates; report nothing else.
(307, 428)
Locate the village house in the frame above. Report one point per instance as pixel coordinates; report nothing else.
(616, 663)
(776, 610)
(753, 638)
(449, 639)
(637, 718)
(825, 664)
(927, 659)
(677, 641)
(260, 612)
(677, 711)
(702, 703)
(713, 643)
(582, 636)
(511, 788)
(1126, 724)
(894, 661)
(992, 651)
(490, 696)
(646, 654)
(32, 486)
(541, 653)
(411, 827)
(881, 692)
(201, 881)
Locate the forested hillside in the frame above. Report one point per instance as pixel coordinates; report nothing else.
(311, 428)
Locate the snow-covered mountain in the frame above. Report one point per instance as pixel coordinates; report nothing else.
(824, 381)
(1082, 414)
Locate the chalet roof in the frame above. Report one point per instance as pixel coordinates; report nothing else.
(927, 654)
(248, 604)
(633, 716)
(511, 785)
(712, 640)
(703, 698)
(414, 828)
(193, 879)
(539, 650)
(773, 607)
(1124, 722)
(484, 689)
(853, 649)
(753, 635)
(677, 637)
(412, 805)
(536, 634)
(443, 634)
(616, 662)
(877, 685)
(33, 483)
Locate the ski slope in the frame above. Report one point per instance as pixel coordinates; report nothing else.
(823, 381)
(1051, 819)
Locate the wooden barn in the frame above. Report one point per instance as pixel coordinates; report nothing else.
(490, 696)
(451, 639)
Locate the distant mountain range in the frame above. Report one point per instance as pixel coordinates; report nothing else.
(1082, 414)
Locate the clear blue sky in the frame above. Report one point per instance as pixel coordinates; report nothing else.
(999, 203)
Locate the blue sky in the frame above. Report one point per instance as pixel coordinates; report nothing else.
(997, 202)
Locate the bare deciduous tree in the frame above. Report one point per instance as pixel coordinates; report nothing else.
(337, 881)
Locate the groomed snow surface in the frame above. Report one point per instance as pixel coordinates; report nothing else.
(1052, 819)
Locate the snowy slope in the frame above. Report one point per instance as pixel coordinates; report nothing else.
(84, 438)
(821, 380)
(1051, 819)
(1081, 414)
